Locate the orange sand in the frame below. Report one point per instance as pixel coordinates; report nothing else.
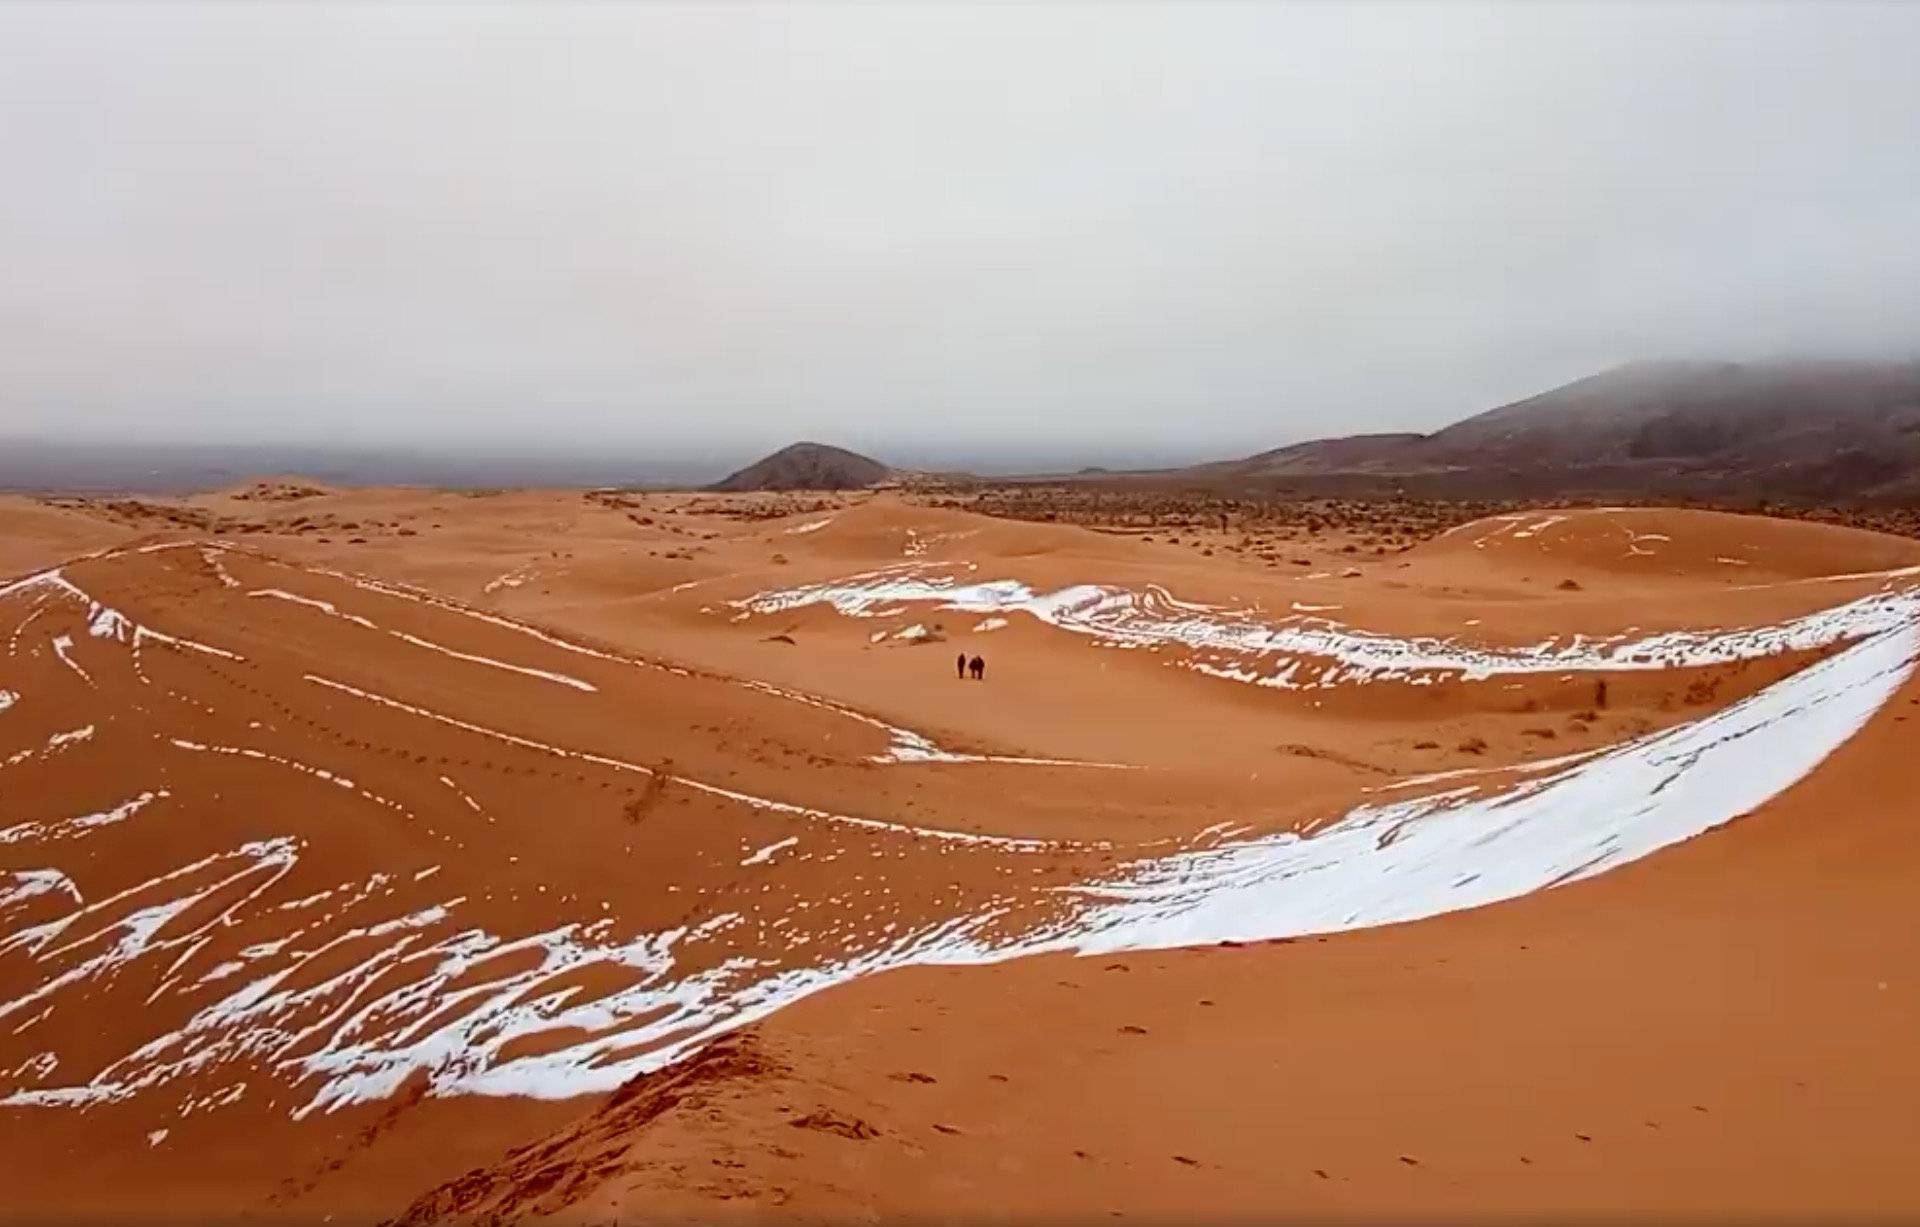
(1715, 1030)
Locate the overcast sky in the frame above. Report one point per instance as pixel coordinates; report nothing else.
(1109, 229)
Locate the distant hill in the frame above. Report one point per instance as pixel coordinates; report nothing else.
(808, 466)
(1316, 456)
(1790, 430)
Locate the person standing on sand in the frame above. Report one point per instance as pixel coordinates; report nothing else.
(978, 668)
(960, 667)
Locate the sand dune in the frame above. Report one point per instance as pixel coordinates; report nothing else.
(611, 855)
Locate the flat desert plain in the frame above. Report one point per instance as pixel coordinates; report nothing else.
(432, 857)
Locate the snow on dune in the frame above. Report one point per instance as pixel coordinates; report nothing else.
(1382, 864)
(1390, 863)
(1538, 526)
(63, 648)
(1304, 652)
(509, 579)
(330, 609)
(79, 825)
(763, 855)
(908, 746)
(105, 622)
(20, 884)
(210, 555)
(543, 674)
(467, 1018)
(326, 607)
(136, 933)
(56, 744)
(433, 991)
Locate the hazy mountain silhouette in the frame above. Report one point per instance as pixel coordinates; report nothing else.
(1825, 430)
(808, 466)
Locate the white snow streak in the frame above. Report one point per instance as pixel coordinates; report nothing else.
(765, 854)
(61, 646)
(1311, 652)
(79, 825)
(332, 610)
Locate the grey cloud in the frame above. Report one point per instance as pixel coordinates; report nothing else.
(1109, 229)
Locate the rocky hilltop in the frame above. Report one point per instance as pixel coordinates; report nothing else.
(808, 466)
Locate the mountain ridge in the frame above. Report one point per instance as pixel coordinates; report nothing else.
(1804, 429)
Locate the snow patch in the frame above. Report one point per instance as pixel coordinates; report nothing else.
(1538, 526)
(766, 854)
(56, 744)
(61, 645)
(20, 884)
(76, 827)
(511, 579)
